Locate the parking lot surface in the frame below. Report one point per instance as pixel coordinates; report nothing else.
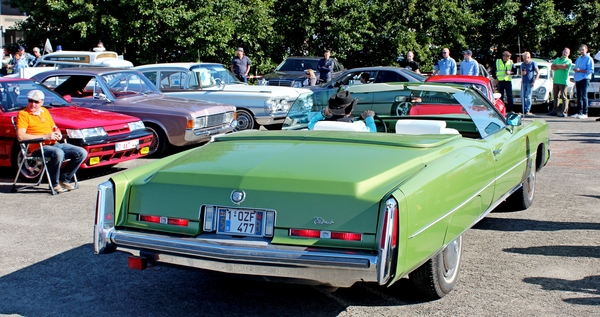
(541, 262)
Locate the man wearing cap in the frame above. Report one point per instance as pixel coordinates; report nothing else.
(240, 65)
(469, 66)
(340, 108)
(502, 72)
(34, 122)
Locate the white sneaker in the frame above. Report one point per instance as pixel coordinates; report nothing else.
(582, 116)
(575, 115)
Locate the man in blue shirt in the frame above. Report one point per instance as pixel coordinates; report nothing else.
(325, 67)
(530, 73)
(240, 65)
(469, 66)
(584, 68)
(446, 65)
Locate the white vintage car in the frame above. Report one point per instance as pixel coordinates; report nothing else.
(542, 88)
(256, 105)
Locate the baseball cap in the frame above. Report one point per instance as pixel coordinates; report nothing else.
(468, 52)
(21, 48)
(240, 49)
(36, 95)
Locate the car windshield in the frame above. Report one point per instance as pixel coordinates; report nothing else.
(596, 75)
(451, 103)
(126, 84)
(203, 76)
(297, 65)
(13, 95)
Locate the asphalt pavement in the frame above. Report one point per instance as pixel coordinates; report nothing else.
(541, 262)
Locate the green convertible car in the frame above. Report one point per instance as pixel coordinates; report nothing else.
(331, 206)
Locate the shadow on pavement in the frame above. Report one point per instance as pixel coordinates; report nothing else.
(79, 283)
(509, 224)
(588, 285)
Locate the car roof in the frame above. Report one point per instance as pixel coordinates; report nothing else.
(458, 78)
(90, 71)
(180, 65)
(305, 57)
(12, 79)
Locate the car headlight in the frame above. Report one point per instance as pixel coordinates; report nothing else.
(138, 125)
(297, 84)
(277, 106)
(228, 117)
(86, 133)
(262, 82)
(200, 122)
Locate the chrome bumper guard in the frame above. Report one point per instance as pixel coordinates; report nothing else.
(328, 267)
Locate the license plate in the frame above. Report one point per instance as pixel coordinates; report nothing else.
(595, 103)
(517, 100)
(126, 145)
(240, 222)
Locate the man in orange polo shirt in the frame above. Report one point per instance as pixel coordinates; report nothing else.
(34, 122)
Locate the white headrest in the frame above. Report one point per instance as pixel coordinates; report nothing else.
(423, 127)
(338, 126)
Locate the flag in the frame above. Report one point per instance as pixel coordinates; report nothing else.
(48, 46)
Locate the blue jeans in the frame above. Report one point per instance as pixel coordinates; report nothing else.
(59, 152)
(242, 78)
(526, 92)
(582, 99)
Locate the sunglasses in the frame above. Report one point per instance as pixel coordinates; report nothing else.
(34, 101)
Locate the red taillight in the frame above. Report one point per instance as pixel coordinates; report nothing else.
(384, 230)
(346, 236)
(155, 219)
(395, 227)
(178, 222)
(306, 233)
(323, 234)
(164, 220)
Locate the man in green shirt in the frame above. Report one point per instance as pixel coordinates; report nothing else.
(561, 67)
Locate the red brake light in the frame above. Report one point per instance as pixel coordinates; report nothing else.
(178, 222)
(164, 220)
(346, 236)
(155, 219)
(306, 233)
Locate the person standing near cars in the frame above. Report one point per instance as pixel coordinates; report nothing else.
(502, 71)
(528, 68)
(469, 66)
(409, 63)
(561, 67)
(240, 65)
(325, 67)
(446, 65)
(584, 68)
(311, 78)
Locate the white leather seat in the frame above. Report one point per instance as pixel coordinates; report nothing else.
(340, 126)
(423, 127)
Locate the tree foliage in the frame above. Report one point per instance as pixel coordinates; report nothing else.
(358, 32)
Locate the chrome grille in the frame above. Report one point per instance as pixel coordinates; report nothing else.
(215, 120)
(276, 82)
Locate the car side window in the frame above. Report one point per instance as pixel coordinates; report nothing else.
(389, 77)
(151, 75)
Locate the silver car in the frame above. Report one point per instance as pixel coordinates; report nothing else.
(256, 105)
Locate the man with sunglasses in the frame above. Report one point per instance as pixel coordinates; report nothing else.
(36, 122)
(446, 65)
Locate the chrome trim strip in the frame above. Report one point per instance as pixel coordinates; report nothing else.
(341, 267)
(471, 198)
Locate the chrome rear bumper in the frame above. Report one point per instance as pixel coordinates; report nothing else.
(328, 267)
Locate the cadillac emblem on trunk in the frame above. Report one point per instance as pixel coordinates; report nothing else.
(237, 196)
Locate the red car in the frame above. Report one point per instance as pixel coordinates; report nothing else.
(481, 83)
(108, 137)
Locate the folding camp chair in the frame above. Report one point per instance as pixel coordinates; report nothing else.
(32, 165)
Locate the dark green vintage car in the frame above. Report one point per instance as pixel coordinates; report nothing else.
(331, 207)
